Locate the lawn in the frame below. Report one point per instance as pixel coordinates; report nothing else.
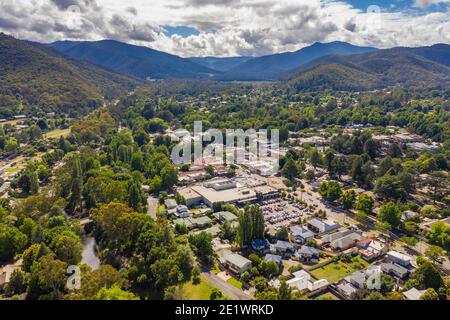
(201, 291)
(235, 283)
(57, 133)
(12, 169)
(161, 210)
(327, 296)
(336, 271)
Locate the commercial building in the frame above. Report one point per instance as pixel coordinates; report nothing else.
(226, 192)
(320, 226)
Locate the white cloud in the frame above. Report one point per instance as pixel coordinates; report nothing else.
(426, 3)
(226, 27)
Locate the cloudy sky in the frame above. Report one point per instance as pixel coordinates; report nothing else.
(230, 27)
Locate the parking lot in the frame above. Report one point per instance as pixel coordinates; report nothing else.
(280, 213)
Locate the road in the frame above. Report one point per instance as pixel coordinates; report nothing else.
(227, 289)
(153, 204)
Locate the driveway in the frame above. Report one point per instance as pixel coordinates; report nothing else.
(153, 204)
(227, 289)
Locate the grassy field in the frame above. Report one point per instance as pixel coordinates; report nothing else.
(57, 133)
(201, 291)
(336, 271)
(235, 283)
(327, 296)
(12, 169)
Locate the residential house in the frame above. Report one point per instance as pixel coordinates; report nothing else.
(224, 216)
(182, 212)
(370, 249)
(328, 238)
(284, 247)
(302, 282)
(413, 294)
(394, 270)
(274, 258)
(307, 254)
(170, 204)
(234, 262)
(301, 235)
(261, 245)
(399, 258)
(409, 215)
(346, 242)
(201, 222)
(7, 271)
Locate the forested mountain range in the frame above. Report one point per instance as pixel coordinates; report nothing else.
(424, 66)
(35, 75)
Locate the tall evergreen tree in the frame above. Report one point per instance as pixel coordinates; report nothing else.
(77, 184)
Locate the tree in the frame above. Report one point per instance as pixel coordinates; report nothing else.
(134, 196)
(387, 283)
(68, 248)
(440, 234)
(216, 294)
(202, 243)
(429, 211)
(137, 161)
(282, 234)
(315, 158)
(348, 199)
(284, 291)
(258, 223)
(437, 182)
(390, 213)
(390, 187)
(169, 176)
(49, 275)
(434, 253)
(16, 284)
(375, 295)
(330, 190)
(357, 172)
(430, 294)
(290, 169)
(210, 170)
(424, 277)
(395, 151)
(12, 242)
(77, 183)
(371, 148)
(260, 283)
(115, 293)
(103, 277)
(364, 203)
(384, 166)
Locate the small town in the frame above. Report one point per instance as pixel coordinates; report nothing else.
(225, 158)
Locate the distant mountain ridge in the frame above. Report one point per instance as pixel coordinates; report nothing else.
(274, 67)
(140, 62)
(39, 75)
(423, 66)
(220, 64)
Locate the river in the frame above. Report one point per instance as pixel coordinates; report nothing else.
(89, 256)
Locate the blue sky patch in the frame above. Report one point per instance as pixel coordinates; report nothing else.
(180, 30)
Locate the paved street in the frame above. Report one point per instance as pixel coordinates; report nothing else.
(227, 289)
